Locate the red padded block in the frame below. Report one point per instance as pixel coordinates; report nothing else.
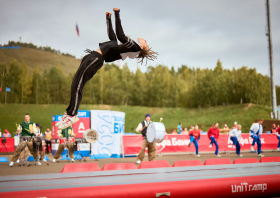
(217, 161)
(187, 163)
(245, 160)
(154, 164)
(270, 159)
(119, 166)
(82, 167)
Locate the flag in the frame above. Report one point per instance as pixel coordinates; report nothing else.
(8, 89)
(77, 29)
(0, 88)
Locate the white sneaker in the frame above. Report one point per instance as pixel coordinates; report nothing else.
(278, 149)
(68, 121)
(17, 161)
(138, 162)
(44, 160)
(61, 121)
(72, 160)
(38, 163)
(218, 155)
(11, 164)
(252, 148)
(210, 145)
(197, 155)
(261, 155)
(240, 155)
(54, 160)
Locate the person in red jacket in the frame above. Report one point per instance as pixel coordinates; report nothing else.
(213, 135)
(194, 137)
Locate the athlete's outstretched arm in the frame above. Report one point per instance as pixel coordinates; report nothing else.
(110, 31)
(120, 34)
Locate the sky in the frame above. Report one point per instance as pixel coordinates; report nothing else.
(195, 33)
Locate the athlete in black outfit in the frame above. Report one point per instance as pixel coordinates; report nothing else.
(109, 51)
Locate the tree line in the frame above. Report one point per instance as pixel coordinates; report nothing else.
(159, 86)
(31, 45)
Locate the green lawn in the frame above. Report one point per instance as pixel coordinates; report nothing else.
(204, 117)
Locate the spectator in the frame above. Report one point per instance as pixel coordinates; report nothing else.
(213, 135)
(225, 129)
(273, 129)
(174, 132)
(6, 134)
(179, 128)
(191, 128)
(38, 128)
(234, 125)
(48, 138)
(185, 132)
(194, 137)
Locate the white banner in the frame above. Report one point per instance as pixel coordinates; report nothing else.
(110, 128)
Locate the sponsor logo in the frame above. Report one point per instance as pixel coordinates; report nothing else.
(245, 187)
(173, 142)
(244, 141)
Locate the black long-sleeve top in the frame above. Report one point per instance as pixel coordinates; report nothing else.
(111, 50)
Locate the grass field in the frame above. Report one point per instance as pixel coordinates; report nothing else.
(204, 117)
(42, 59)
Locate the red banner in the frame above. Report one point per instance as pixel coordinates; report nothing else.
(179, 143)
(8, 146)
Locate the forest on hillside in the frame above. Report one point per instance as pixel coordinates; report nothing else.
(157, 87)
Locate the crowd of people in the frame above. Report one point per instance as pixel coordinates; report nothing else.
(234, 134)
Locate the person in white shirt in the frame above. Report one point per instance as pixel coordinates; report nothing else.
(235, 135)
(255, 132)
(152, 147)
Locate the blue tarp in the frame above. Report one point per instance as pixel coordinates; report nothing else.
(9, 47)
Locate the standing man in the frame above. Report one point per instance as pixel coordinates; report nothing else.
(273, 129)
(68, 132)
(27, 128)
(255, 132)
(152, 147)
(277, 133)
(213, 135)
(235, 135)
(194, 137)
(179, 128)
(48, 139)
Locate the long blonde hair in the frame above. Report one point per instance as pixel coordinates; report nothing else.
(147, 53)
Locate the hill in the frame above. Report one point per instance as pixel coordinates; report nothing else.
(42, 59)
(204, 117)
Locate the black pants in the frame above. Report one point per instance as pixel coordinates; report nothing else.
(48, 142)
(90, 64)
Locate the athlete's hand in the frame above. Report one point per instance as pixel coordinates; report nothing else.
(116, 9)
(108, 14)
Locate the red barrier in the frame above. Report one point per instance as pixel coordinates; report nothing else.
(154, 164)
(119, 166)
(179, 143)
(82, 167)
(245, 160)
(187, 163)
(217, 161)
(251, 186)
(270, 159)
(9, 145)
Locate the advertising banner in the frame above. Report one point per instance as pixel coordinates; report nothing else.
(179, 143)
(110, 128)
(79, 127)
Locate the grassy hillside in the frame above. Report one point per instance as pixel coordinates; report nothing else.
(42, 59)
(204, 117)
